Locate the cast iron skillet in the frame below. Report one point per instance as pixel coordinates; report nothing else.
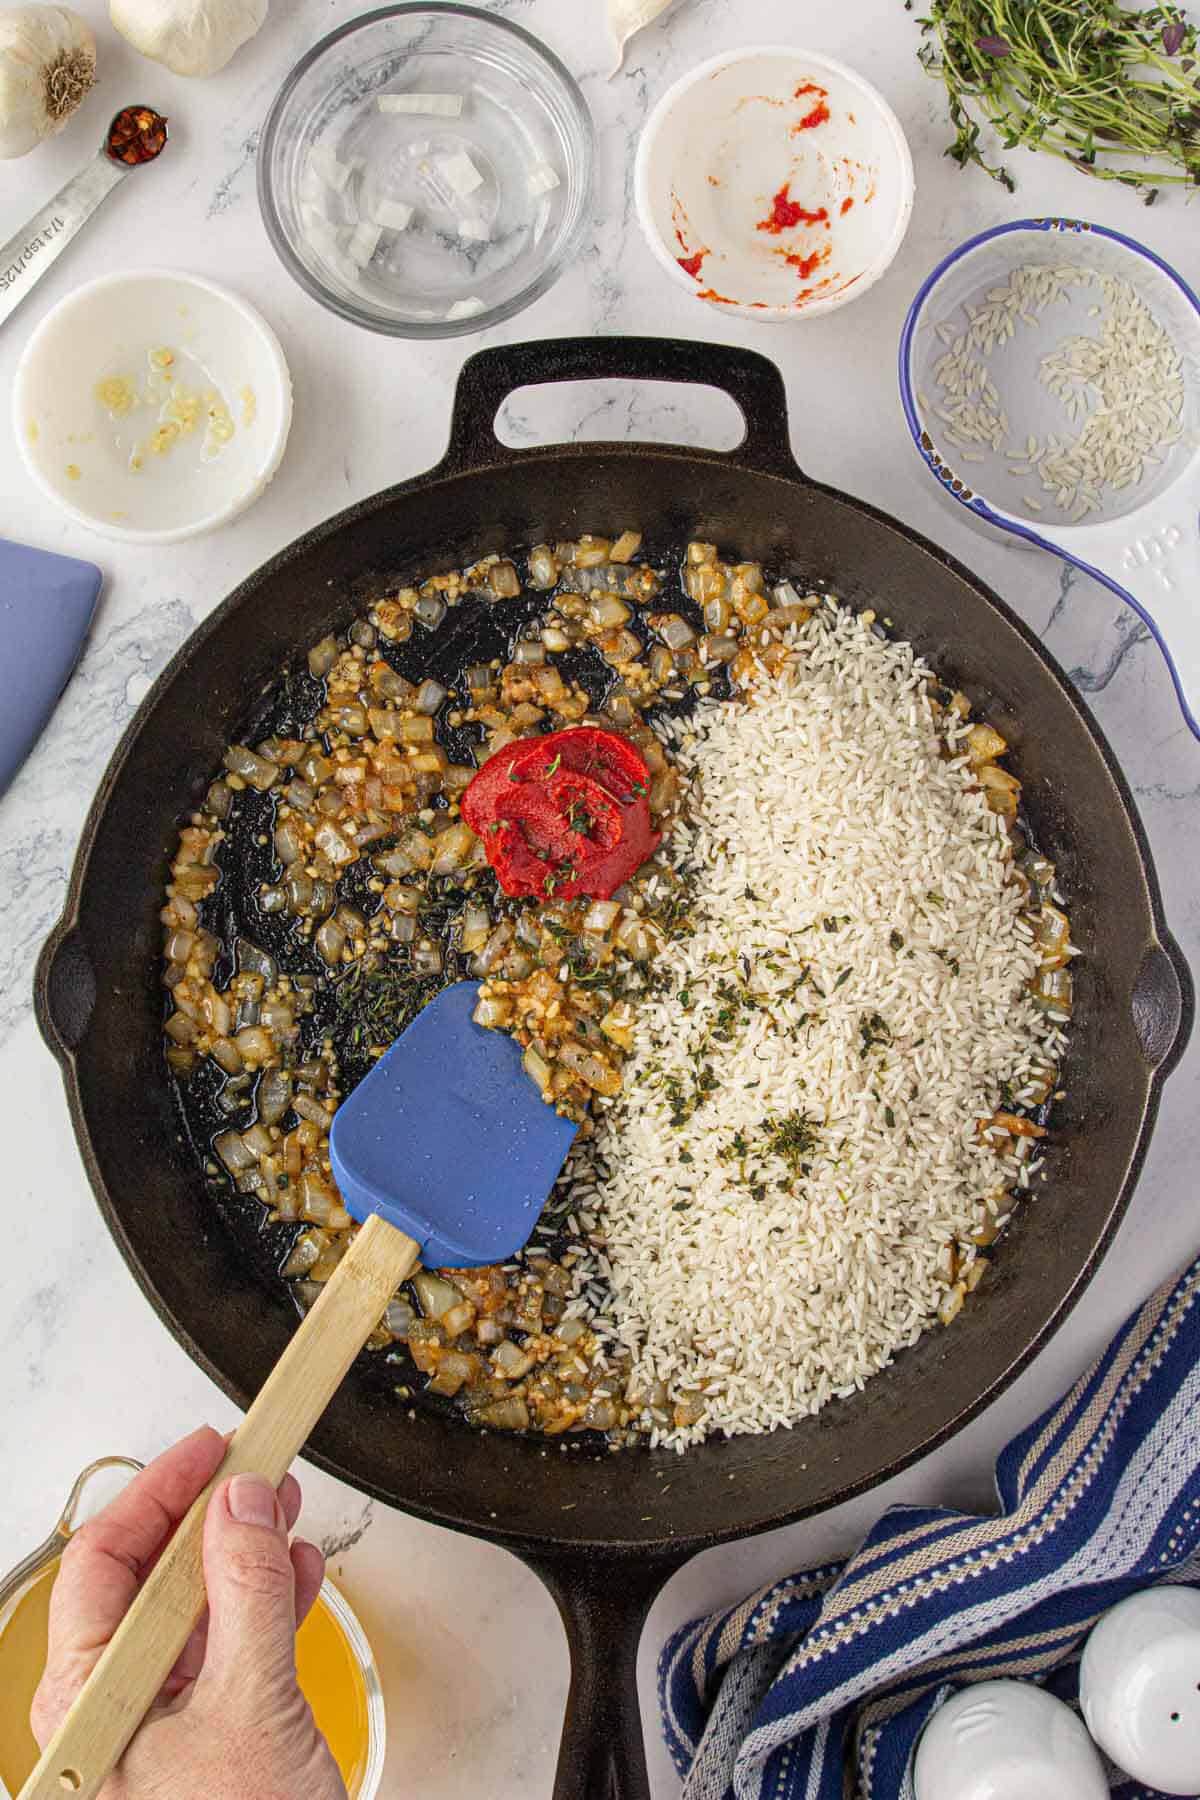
(603, 1532)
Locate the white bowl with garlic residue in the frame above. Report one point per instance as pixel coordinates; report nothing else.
(774, 183)
(152, 406)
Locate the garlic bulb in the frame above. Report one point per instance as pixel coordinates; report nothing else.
(630, 16)
(192, 37)
(47, 65)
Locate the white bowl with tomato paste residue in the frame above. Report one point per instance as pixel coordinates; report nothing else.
(774, 182)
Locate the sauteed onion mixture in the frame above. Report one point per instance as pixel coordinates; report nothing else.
(750, 889)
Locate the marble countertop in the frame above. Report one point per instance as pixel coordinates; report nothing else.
(474, 1659)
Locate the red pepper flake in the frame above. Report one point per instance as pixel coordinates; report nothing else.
(563, 814)
(787, 213)
(847, 203)
(691, 264)
(137, 135)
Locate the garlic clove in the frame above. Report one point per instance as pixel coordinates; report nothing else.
(47, 66)
(628, 17)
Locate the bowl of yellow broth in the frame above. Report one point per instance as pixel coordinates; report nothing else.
(333, 1661)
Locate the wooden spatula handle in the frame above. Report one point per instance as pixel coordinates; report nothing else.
(117, 1695)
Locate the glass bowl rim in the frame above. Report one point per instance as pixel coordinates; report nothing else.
(580, 177)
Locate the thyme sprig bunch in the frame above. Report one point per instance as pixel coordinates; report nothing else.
(1088, 80)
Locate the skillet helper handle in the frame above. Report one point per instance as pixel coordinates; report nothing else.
(604, 1601)
(752, 382)
(120, 1690)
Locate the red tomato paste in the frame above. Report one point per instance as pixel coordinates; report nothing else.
(786, 214)
(564, 814)
(820, 112)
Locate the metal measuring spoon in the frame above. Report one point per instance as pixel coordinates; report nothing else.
(136, 136)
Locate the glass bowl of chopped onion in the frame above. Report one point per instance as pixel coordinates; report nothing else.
(426, 170)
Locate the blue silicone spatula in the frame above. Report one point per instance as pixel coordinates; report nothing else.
(448, 1139)
(445, 1153)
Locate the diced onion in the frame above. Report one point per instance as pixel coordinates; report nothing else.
(258, 1141)
(476, 923)
(543, 569)
(536, 1067)
(254, 1043)
(454, 848)
(274, 1096)
(493, 1013)
(509, 1414)
(288, 845)
(322, 656)
(399, 1318)
(430, 610)
(331, 843)
(233, 1153)
(331, 941)
(429, 696)
(313, 1111)
(436, 1296)
(511, 1361)
(595, 1069)
(607, 610)
(252, 768)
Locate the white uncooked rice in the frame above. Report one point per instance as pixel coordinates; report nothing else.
(1123, 387)
(824, 828)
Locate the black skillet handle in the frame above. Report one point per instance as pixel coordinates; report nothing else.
(750, 380)
(603, 1600)
(64, 989)
(1164, 1004)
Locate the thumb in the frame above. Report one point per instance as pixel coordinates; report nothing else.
(251, 1654)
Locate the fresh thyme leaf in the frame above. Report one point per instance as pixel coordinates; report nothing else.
(1092, 81)
(792, 1138)
(874, 1033)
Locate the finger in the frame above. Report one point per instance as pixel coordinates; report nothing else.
(290, 1499)
(308, 1565)
(106, 1559)
(251, 1659)
(191, 1658)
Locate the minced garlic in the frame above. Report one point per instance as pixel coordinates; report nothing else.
(160, 440)
(220, 424)
(183, 407)
(73, 471)
(249, 401)
(117, 394)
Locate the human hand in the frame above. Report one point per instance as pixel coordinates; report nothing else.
(231, 1722)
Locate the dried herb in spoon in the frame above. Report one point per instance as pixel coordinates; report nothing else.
(1088, 80)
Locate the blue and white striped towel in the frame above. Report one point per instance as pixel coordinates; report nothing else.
(840, 1667)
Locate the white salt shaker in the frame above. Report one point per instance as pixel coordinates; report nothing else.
(1139, 1688)
(1007, 1740)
